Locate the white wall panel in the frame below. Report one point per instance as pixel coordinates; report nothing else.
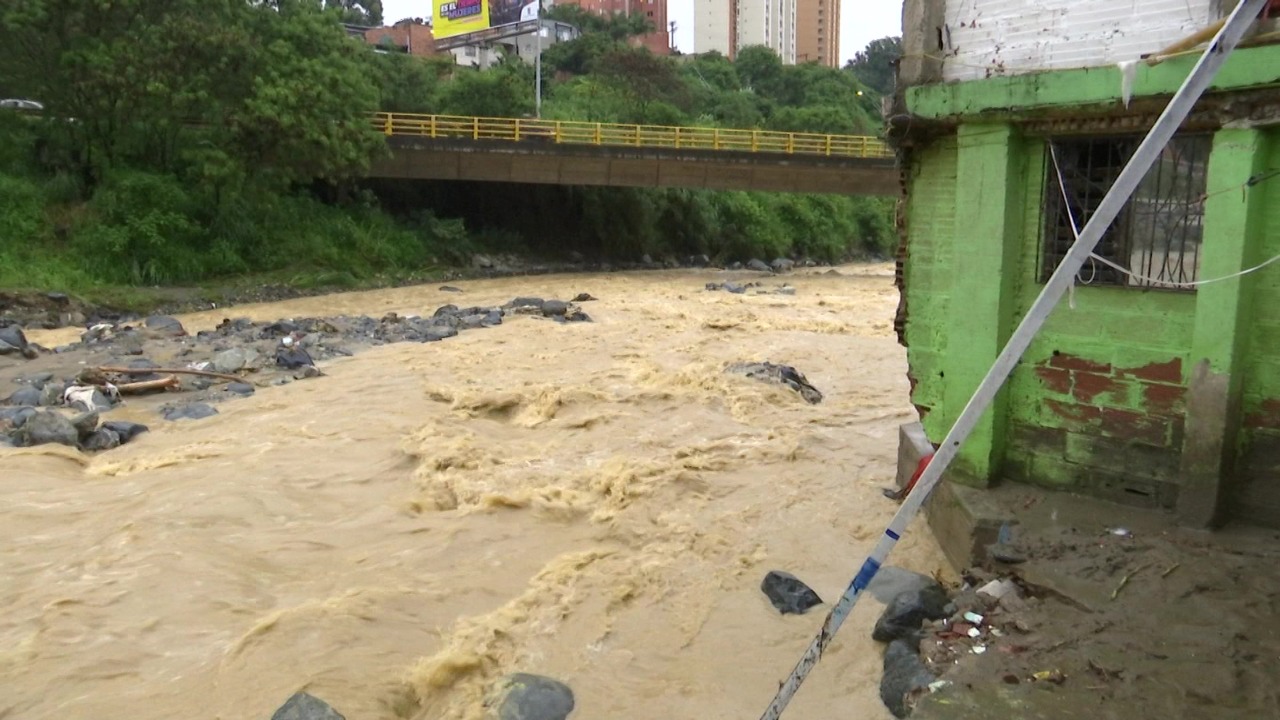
(1003, 37)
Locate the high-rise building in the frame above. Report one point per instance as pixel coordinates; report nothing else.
(771, 23)
(655, 11)
(727, 26)
(818, 32)
(715, 27)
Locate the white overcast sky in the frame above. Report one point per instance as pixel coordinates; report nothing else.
(861, 21)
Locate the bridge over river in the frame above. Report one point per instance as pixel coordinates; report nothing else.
(442, 147)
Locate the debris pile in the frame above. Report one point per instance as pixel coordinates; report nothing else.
(780, 374)
(231, 361)
(738, 288)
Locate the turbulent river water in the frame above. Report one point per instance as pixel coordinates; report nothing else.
(597, 502)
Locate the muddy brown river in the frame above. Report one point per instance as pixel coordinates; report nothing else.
(597, 502)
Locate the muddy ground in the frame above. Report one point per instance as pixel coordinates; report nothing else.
(1125, 615)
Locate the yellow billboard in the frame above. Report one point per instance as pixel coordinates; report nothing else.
(459, 17)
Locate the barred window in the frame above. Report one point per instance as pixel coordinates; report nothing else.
(1158, 234)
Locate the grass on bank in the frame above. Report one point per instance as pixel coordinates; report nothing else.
(143, 240)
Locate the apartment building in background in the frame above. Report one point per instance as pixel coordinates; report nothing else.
(655, 11)
(715, 27)
(818, 32)
(727, 26)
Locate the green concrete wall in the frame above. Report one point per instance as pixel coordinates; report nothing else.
(1250, 67)
(1097, 402)
(1258, 496)
(1103, 399)
(927, 276)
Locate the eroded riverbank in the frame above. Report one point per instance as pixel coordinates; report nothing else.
(593, 501)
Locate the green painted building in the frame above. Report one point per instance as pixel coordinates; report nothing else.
(1013, 118)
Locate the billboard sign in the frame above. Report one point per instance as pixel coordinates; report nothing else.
(460, 17)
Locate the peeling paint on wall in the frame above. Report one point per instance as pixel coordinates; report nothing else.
(983, 38)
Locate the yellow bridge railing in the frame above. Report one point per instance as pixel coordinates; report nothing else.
(641, 136)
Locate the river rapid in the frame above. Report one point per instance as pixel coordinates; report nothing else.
(596, 502)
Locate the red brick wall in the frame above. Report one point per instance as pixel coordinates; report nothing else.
(658, 41)
(415, 38)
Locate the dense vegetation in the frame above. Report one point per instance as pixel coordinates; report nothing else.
(184, 140)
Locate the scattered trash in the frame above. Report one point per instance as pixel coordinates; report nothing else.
(788, 594)
(1125, 581)
(1003, 550)
(973, 617)
(997, 589)
(908, 611)
(979, 649)
(1052, 676)
(1120, 532)
(937, 685)
(974, 632)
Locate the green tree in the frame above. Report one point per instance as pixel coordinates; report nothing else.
(877, 65)
(504, 91)
(408, 83)
(760, 69)
(647, 81)
(357, 12)
(271, 90)
(305, 110)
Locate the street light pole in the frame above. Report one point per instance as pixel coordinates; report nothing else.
(537, 68)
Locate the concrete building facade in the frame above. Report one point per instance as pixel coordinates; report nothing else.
(715, 27)
(727, 26)
(407, 36)
(818, 32)
(655, 11)
(1012, 119)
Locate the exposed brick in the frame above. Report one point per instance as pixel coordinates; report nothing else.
(1177, 431)
(1127, 490)
(1053, 472)
(1055, 379)
(1073, 362)
(1073, 412)
(1088, 386)
(1135, 459)
(1266, 416)
(1128, 425)
(1258, 495)
(1047, 441)
(1163, 398)
(1165, 372)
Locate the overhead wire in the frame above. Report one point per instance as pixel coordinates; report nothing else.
(1075, 229)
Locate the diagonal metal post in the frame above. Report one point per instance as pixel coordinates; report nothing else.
(1126, 183)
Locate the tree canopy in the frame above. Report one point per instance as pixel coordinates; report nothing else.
(877, 65)
(185, 139)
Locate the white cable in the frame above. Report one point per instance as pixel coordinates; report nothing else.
(1062, 187)
(1189, 284)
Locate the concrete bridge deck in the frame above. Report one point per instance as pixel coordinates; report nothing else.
(563, 153)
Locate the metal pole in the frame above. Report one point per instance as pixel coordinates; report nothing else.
(1127, 182)
(537, 69)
